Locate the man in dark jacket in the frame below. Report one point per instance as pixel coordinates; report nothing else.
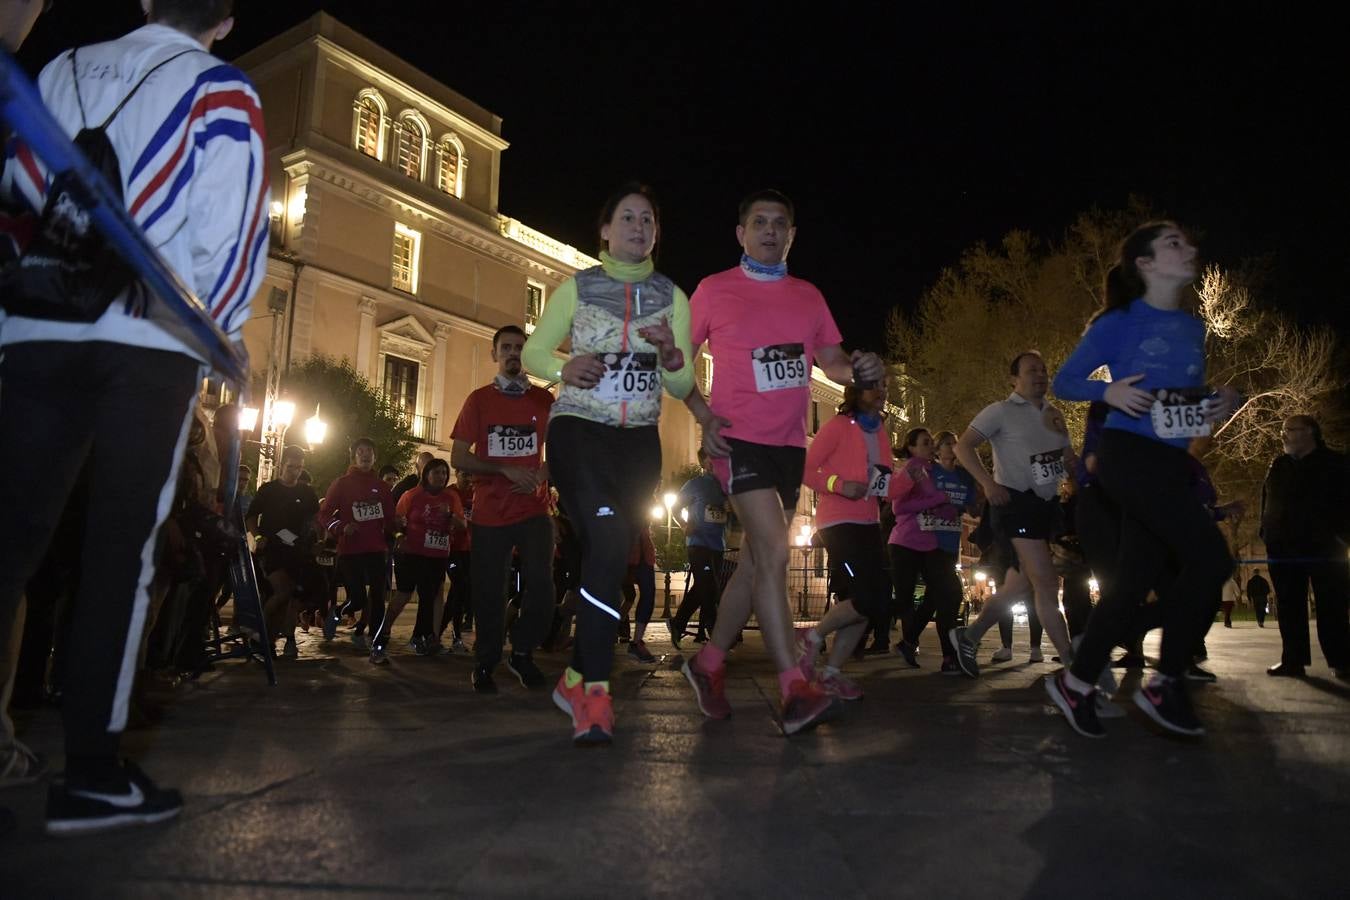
(1305, 523)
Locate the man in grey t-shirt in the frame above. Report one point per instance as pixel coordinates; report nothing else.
(1032, 453)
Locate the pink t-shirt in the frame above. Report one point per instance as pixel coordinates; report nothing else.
(763, 336)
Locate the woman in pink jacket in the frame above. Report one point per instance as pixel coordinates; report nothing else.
(915, 547)
(849, 466)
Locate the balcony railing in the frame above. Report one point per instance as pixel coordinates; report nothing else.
(422, 428)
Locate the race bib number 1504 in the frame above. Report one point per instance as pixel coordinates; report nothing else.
(512, 440)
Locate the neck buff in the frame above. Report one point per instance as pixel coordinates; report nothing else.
(760, 272)
(869, 422)
(512, 386)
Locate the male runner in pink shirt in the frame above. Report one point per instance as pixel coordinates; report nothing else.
(763, 328)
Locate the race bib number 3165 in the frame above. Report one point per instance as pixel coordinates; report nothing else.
(1180, 412)
(512, 440)
(1048, 467)
(780, 367)
(628, 377)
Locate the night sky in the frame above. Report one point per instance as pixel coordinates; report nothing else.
(904, 133)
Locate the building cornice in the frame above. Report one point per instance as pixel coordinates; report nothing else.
(316, 165)
(424, 102)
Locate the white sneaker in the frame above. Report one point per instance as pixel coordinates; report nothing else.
(1036, 655)
(1002, 654)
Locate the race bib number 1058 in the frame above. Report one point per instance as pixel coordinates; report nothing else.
(628, 377)
(780, 367)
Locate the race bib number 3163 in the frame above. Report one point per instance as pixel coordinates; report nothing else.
(512, 440)
(779, 367)
(1180, 412)
(628, 377)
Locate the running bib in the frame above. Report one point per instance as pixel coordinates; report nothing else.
(367, 512)
(881, 481)
(1180, 412)
(714, 515)
(628, 377)
(437, 541)
(325, 559)
(779, 367)
(930, 522)
(512, 441)
(1047, 467)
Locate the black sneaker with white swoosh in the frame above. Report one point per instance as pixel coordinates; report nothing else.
(82, 807)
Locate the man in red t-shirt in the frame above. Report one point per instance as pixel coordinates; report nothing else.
(498, 438)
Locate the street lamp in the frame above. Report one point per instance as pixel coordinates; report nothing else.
(248, 418)
(658, 512)
(316, 429)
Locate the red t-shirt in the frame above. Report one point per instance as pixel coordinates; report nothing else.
(430, 525)
(361, 499)
(461, 540)
(763, 337)
(508, 430)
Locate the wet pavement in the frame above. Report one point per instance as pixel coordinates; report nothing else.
(349, 780)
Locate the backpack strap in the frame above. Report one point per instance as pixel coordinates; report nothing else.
(153, 70)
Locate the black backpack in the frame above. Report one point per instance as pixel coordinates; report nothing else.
(68, 271)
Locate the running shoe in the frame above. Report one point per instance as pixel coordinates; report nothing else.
(21, 766)
(568, 698)
(837, 685)
(876, 648)
(808, 650)
(84, 807)
(522, 666)
(421, 646)
(1285, 670)
(290, 650)
(908, 651)
(1036, 655)
(638, 650)
(330, 624)
(1165, 701)
(709, 689)
(1080, 709)
(1130, 661)
(1002, 654)
(1195, 673)
(965, 651)
(676, 630)
(805, 707)
(1108, 708)
(378, 657)
(593, 717)
(306, 620)
(458, 646)
(482, 680)
(949, 666)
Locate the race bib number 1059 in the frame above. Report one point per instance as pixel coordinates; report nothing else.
(780, 367)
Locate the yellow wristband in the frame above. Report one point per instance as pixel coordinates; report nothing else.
(829, 483)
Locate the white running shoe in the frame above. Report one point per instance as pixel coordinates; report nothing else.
(1036, 655)
(1002, 654)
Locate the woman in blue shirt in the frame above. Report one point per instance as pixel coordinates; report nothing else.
(1154, 348)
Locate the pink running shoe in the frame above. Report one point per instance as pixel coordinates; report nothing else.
(839, 686)
(709, 689)
(805, 707)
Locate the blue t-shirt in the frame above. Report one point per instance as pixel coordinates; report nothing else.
(959, 486)
(707, 506)
(1166, 346)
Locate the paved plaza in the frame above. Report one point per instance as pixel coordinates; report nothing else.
(352, 781)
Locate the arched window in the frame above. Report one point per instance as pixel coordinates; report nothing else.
(369, 118)
(411, 140)
(450, 165)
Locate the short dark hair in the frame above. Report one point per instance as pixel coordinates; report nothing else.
(362, 442)
(436, 463)
(1015, 367)
(389, 470)
(292, 451)
(768, 195)
(1312, 425)
(506, 329)
(191, 15)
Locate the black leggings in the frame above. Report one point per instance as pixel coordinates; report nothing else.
(365, 577)
(606, 477)
(856, 550)
(1161, 521)
(941, 593)
(706, 566)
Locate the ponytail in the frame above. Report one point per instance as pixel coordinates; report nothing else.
(1123, 284)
